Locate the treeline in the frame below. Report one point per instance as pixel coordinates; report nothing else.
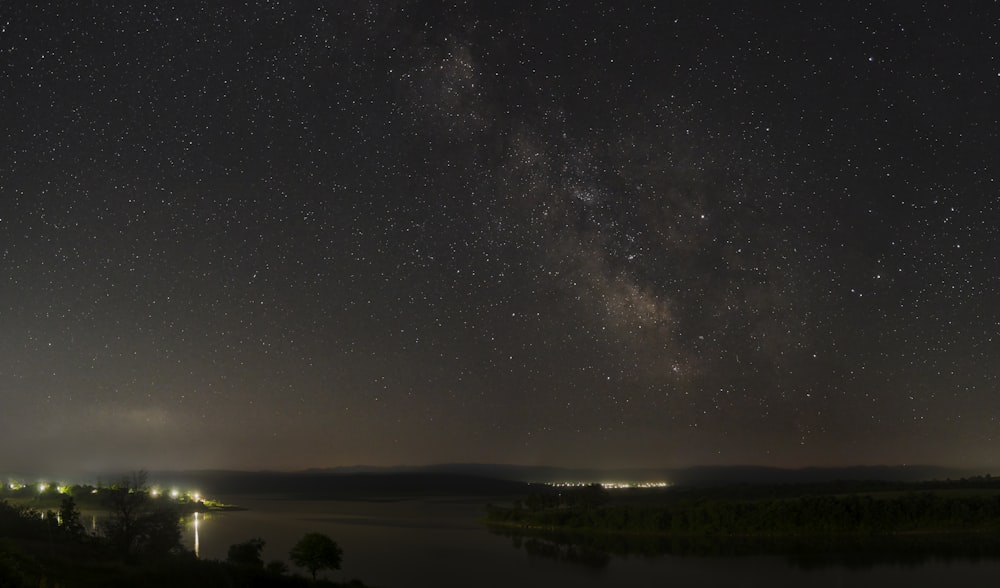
(756, 491)
(908, 512)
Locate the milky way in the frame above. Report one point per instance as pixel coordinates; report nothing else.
(285, 235)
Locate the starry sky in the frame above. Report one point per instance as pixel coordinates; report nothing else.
(284, 235)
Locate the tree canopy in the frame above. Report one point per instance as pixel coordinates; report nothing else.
(315, 552)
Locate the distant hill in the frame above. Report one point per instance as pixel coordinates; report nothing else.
(365, 482)
(692, 476)
(321, 485)
(725, 475)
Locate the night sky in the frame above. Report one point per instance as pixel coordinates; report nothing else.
(283, 235)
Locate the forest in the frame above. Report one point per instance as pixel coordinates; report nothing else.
(815, 510)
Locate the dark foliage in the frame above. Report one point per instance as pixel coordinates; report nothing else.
(247, 554)
(135, 526)
(39, 551)
(16, 569)
(809, 515)
(69, 519)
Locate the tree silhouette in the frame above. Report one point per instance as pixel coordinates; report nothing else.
(69, 518)
(316, 551)
(126, 502)
(134, 525)
(247, 554)
(276, 567)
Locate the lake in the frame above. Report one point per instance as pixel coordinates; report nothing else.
(438, 542)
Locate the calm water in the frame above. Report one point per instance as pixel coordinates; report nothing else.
(439, 543)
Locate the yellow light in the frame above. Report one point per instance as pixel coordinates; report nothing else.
(174, 493)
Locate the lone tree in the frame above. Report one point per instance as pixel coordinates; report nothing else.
(316, 551)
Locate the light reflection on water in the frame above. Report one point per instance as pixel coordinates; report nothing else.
(191, 531)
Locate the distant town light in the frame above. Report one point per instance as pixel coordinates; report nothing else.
(612, 485)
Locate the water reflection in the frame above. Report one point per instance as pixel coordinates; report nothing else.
(596, 550)
(192, 527)
(569, 553)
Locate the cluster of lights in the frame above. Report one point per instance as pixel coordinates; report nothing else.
(155, 491)
(617, 485)
(174, 493)
(612, 485)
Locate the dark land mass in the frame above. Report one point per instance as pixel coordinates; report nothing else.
(498, 479)
(860, 507)
(316, 485)
(699, 476)
(853, 523)
(473, 479)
